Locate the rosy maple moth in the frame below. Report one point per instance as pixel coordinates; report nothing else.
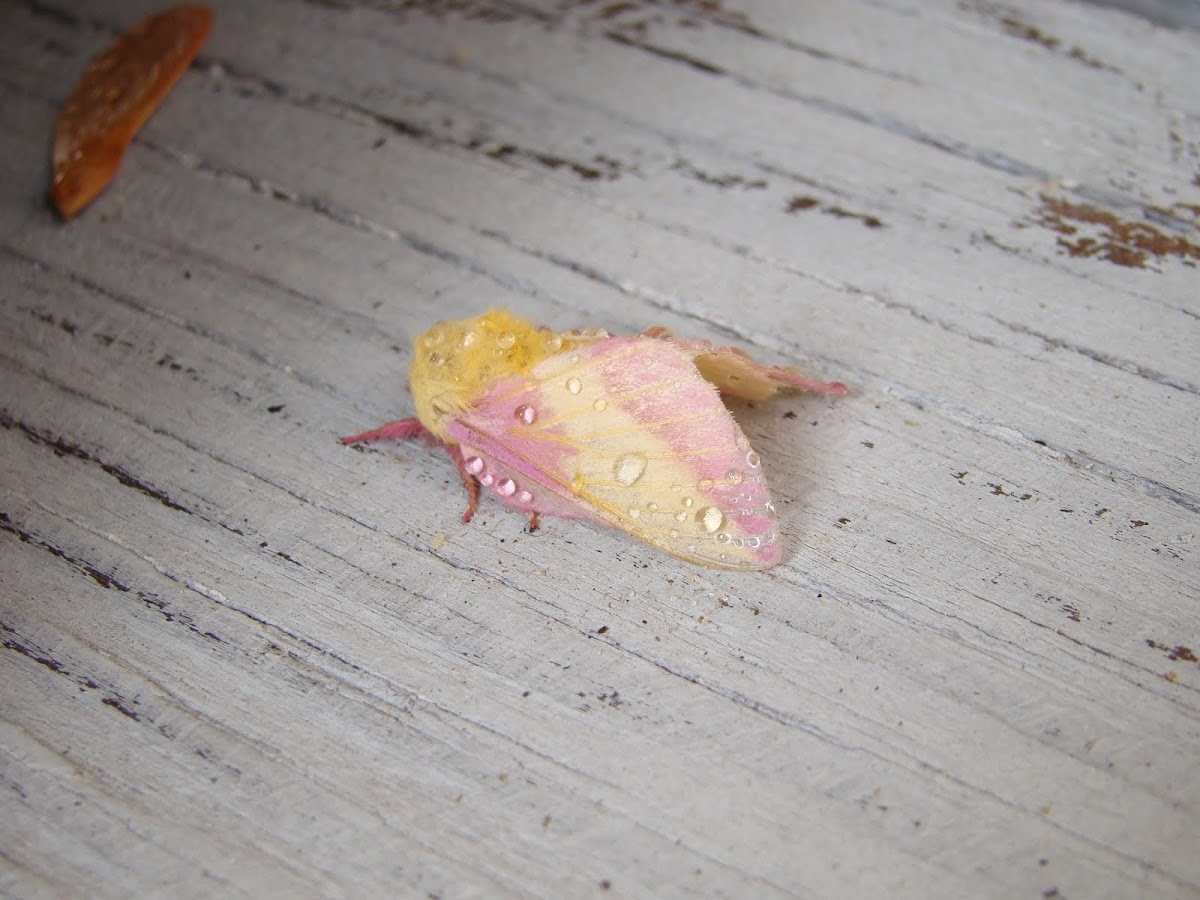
(627, 431)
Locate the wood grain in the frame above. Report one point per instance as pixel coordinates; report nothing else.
(242, 659)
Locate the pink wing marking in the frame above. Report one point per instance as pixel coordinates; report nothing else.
(738, 374)
(585, 436)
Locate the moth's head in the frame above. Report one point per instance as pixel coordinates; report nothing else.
(456, 363)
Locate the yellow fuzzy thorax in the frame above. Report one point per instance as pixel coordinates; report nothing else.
(454, 363)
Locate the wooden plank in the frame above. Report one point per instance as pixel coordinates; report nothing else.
(974, 673)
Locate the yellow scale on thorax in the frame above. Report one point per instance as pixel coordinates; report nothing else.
(455, 363)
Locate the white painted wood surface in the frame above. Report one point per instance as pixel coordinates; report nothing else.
(241, 659)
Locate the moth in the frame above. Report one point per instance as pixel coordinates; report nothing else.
(630, 432)
(116, 95)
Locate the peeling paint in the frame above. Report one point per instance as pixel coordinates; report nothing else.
(803, 204)
(1088, 231)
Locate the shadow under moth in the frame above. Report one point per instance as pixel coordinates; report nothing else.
(630, 432)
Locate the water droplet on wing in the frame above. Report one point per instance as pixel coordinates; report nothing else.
(525, 414)
(474, 465)
(710, 518)
(506, 487)
(574, 385)
(629, 468)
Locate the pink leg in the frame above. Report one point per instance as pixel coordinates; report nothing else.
(470, 482)
(400, 430)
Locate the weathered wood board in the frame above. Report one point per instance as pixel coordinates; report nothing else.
(243, 659)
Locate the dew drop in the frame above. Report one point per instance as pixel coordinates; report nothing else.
(474, 465)
(710, 518)
(681, 516)
(553, 343)
(574, 359)
(506, 340)
(469, 338)
(525, 414)
(743, 442)
(524, 497)
(753, 460)
(506, 487)
(705, 486)
(486, 479)
(722, 538)
(595, 333)
(674, 533)
(436, 359)
(574, 385)
(688, 501)
(652, 507)
(753, 543)
(600, 405)
(769, 507)
(577, 484)
(634, 512)
(433, 337)
(738, 542)
(733, 476)
(629, 468)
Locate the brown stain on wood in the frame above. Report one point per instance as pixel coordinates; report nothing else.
(1017, 27)
(1088, 231)
(803, 204)
(1178, 652)
(721, 180)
